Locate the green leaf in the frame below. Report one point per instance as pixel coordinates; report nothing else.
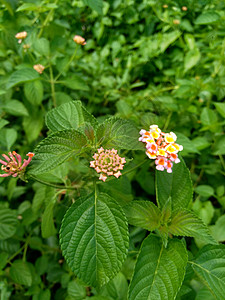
(117, 288)
(21, 273)
(191, 59)
(168, 39)
(75, 82)
(28, 6)
(47, 224)
(94, 238)
(177, 185)
(42, 46)
(208, 116)
(220, 107)
(8, 137)
(207, 18)
(118, 133)
(166, 211)
(34, 92)
(186, 143)
(209, 265)
(33, 124)
(159, 271)
(15, 108)
(219, 147)
(3, 259)
(8, 223)
(57, 148)
(143, 214)
(76, 290)
(218, 230)
(186, 223)
(20, 76)
(96, 5)
(70, 115)
(3, 122)
(204, 190)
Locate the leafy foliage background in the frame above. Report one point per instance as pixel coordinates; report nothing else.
(144, 62)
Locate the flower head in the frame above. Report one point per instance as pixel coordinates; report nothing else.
(13, 165)
(21, 36)
(161, 147)
(79, 40)
(39, 68)
(107, 163)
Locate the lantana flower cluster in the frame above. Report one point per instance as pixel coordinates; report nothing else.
(107, 163)
(13, 164)
(161, 147)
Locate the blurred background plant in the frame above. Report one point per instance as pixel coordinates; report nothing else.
(153, 62)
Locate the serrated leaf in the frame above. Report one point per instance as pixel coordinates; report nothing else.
(22, 75)
(8, 223)
(15, 108)
(21, 273)
(96, 5)
(34, 92)
(207, 18)
(143, 214)
(55, 149)
(70, 115)
(186, 223)
(159, 271)
(94, 238)
(177, 185)
(209, 265)
(118, 133)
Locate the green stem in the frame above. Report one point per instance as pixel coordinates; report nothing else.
(57, 186)
(46, 20)
(69, 62)
(15, 254)
(52, 82)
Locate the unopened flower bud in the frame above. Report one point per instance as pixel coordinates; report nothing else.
(184, 8)
(176, 22)
(165, 6)
(39, 68)
(79, 40)
(21, 36)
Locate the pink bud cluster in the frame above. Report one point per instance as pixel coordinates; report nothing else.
(107, 163)
(161, 147)
(13, 165)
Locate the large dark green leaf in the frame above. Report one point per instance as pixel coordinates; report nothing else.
(57, 148)
(159, 271)
(94, 238)
(120, 134)
(210, 268)
(70, 115)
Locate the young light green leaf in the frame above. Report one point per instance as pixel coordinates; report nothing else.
(8, 137)
(21, 273)
(116, 289)
(47, 224)
(208, 116)
(207, 18)
(42, 46)
(168, 39)
(186, 223)
(209, 265)
(204, 190)
(70, 115)
(22, 75)
(118, 133)
(75, 290)
(191, 59)
(8, 223)
(34, 92)
(218, 230)
(143, 214)
(76, 82)
(15, 108)
(55, 149)
(94, 238)
(177, 185)
(220, 107)
(219, 147)
(159, 271)
(33, 124)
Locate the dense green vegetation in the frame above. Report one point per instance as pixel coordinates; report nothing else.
(145, 62)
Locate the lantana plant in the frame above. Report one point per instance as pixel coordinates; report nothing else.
(94, 234)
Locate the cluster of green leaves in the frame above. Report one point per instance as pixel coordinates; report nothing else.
(168, 70)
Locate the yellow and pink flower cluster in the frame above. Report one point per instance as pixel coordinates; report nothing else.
(107, 163)
(161, 147)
